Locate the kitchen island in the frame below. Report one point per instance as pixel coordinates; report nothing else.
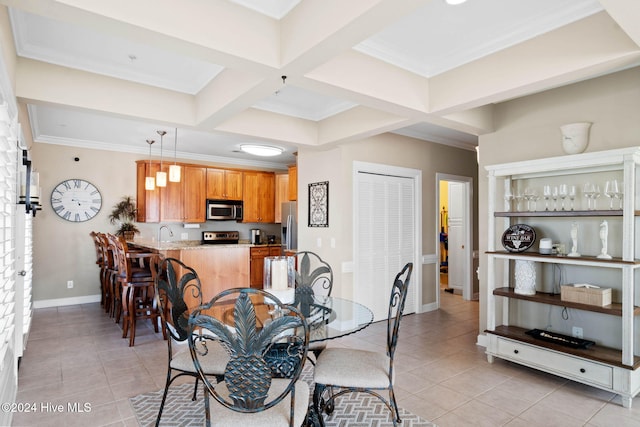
(219, 266)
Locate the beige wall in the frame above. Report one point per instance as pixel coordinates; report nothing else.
(336, 166)
(528, 128)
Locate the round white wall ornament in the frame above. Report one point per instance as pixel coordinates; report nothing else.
(575, 137)
(525, 276)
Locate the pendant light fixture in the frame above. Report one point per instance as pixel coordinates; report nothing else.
(161, 176)
(174, 169)
(149, 181)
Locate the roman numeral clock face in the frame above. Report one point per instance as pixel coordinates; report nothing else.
(76, 200)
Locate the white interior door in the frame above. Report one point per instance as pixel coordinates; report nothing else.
(457, 236)
(385, 238)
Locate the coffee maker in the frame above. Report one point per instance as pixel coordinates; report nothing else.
(256, 236)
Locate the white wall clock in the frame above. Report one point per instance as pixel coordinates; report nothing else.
(76, 200)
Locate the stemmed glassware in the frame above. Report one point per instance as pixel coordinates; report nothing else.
(546, 194)
(554, 196)
(508, 197)
(572, 194)
(611, 191)
(588, 190)
(563, 192)
(596, 195)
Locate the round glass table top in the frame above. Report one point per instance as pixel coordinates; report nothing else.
(332, 317)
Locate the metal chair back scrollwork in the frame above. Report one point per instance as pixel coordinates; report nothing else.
(313, 274)
(259, 322)
(178, 292)
(344, 370)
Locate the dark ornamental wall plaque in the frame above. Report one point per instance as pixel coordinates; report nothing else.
(518, 238)
(319, 204)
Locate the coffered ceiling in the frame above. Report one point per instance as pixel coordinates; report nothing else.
(110, 74)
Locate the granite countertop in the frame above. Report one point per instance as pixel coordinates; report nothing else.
(189, 244)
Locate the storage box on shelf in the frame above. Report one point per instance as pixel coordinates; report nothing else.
(612, 363)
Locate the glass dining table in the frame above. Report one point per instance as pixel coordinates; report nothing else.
(332, 317)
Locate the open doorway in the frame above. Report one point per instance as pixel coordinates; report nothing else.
(454, 233)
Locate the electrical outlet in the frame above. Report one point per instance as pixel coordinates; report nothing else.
(69, 284)
(576, 332)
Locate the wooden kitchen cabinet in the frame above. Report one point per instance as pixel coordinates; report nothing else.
(147, 201)
(259, 197)
(224, 184)
(182, 201)
(194, 191)
(282, 194)
(257, 255)
(293, 183)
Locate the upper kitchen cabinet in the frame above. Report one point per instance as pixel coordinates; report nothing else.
(182, 201)
(282, 194)
(259, 197)
(194, 194)
(223, 184)
(293, 183)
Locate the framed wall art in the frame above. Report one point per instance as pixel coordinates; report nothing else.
(319, 204)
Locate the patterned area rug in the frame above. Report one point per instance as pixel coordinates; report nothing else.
(353, 410)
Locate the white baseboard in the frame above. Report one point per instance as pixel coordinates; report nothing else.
(482, 340)
(59, 302)
(429, 307)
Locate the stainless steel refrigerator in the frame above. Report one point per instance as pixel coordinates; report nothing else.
(289, 232)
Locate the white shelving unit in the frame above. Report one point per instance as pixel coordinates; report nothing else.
(614, 366)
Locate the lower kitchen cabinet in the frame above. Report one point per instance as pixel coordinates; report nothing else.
(257, 255)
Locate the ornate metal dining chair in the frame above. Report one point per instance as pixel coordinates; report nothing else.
(250, 324)
(178, 292)
(314, 276)
(344, 370)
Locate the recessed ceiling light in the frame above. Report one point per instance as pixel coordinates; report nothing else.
(261, 150)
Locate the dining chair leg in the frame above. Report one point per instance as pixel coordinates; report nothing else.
(126, 307)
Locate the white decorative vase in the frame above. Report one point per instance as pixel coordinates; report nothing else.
(525, 276)
(575, 137)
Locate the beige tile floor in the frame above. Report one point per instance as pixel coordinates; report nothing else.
(76, 355)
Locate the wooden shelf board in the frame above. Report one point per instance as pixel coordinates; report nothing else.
(614, 309)
(606, 212)
(577, 260)
(596, 353)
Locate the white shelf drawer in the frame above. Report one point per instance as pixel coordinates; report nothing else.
(557, 363)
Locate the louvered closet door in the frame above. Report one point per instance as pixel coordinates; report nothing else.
(385, 239)
(8, 167)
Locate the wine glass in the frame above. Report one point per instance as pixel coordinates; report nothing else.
(546, 194)
(508, 197)
(588, 191)
(572, 194)
(620, 194)
(611, 191)
(596, 195)
(534, 197)
(527, 197)
(554, 196)
(563, 192)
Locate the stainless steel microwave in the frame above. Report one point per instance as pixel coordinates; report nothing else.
(221, 210)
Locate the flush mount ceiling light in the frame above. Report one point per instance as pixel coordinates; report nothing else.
(454, 2)
(261, 150)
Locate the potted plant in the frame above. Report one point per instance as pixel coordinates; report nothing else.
(124, 213)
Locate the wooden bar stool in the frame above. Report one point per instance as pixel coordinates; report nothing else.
(136, 281)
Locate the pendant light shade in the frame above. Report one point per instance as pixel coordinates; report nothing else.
(149, 181)
(175, 169)
(161, 176)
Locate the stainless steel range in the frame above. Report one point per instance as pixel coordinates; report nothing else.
(220, 237)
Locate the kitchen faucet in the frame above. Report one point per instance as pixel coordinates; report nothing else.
(160, 232)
